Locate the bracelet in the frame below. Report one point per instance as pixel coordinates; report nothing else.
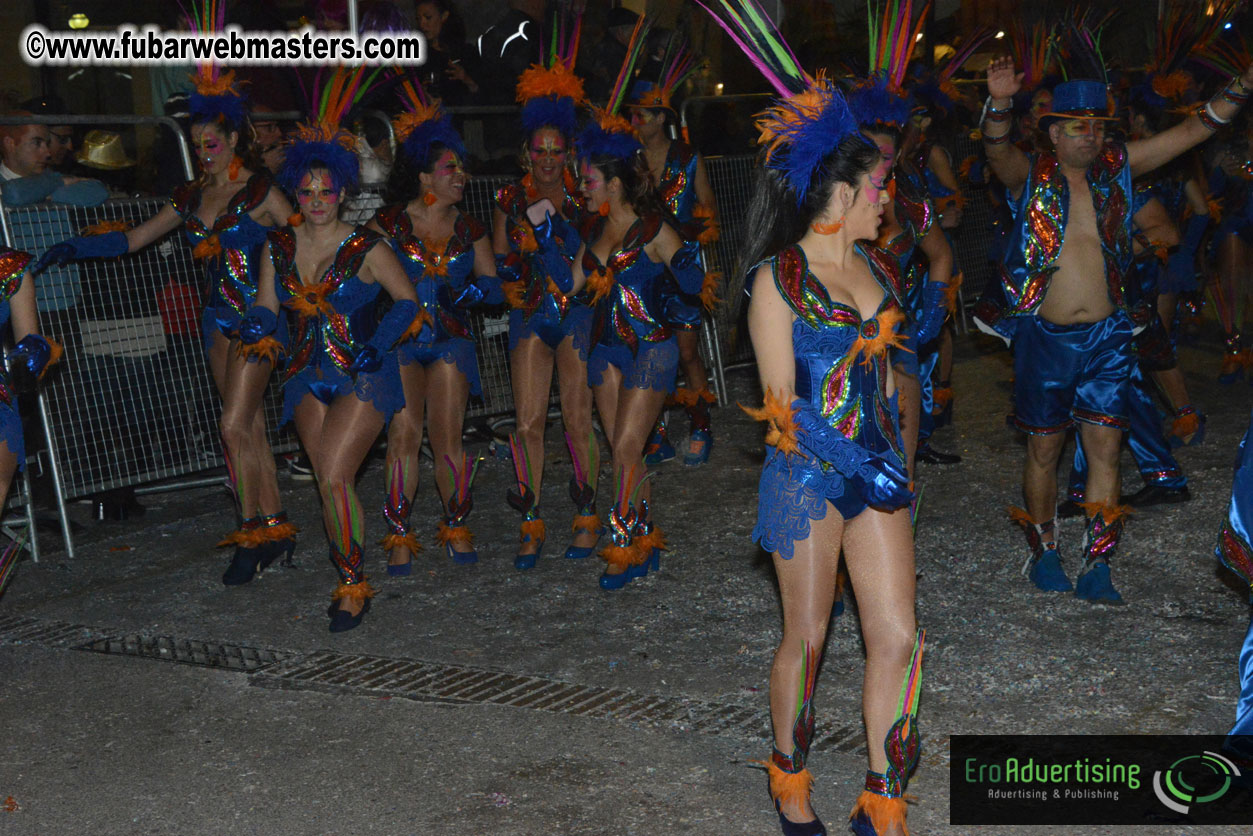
(990, 109)
(1229, 95)
(1238, 80)
(1209, 118)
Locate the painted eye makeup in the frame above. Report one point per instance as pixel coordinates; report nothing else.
(1082, 127)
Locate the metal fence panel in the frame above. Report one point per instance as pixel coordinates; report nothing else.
(132, 401)
(731, 179)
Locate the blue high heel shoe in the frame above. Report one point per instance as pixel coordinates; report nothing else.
(791, 828)
(342, 622)
(691, 459)
(527, 561)
(658, 449)
(400, 570)
(581, 552)
(243, 567)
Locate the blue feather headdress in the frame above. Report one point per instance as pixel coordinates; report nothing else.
(322, 143)
(608, 134)
(811, 120)
(873, 103)
(215, 97)
(550, 94)
(423, 124)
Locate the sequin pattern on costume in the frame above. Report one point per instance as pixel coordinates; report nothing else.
(626, 314)
(537, 289)
(438, 269)
(232, 243)
(12, 267)
(334, 316)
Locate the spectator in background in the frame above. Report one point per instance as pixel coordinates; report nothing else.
(269, 140)
(61, 141)
(511, 45)
(25, 151)
(450, 63)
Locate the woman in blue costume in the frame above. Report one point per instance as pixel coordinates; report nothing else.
(678, 173)
(28, 359)
(1236, 554)
(823, 319)
(341, 381)
(445, 253)
(547, 328)
(225, 213)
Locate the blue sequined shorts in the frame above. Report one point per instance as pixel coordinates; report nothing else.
(455, 350)
(792, 491)
(222, 320)
(1068, 373)
(11, 432)
(655, 366)
(577, 324)
(381, 388)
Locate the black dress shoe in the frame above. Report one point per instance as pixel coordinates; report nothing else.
(930, 455)
(1155, 494)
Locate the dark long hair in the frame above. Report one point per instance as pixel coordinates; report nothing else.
(403, 184)
(637, 183)
(774, 219)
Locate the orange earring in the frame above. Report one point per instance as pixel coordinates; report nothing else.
(232, 171)
(295, 219)
(603, 209)
(429, 198)
(828, 229)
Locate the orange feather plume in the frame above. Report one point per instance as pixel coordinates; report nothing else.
(600, 283)
(1109, 512)
(105, 227)
(951, 290)
(267, 348)
(460, 534)
(515, 293)
(782, 430)
(586, 522)
(557, 80)
(310, 302)
(208, 248)
(423, 318)
(885, 336)
(709, 290)
(409, 541)
(355, 592)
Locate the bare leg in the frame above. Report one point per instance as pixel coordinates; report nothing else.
(404, 451)
(1039, 478)
(879, 550)
(637, 412)
(807, 590)
(1102, 446)
(693, 367)
(448, 391)
(349, 430)
(576, 411)
(531, 369)
(246, 449)
(606, 395)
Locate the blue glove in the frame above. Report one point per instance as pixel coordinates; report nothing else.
(479, 290)
(934, 312)
(686, 268)
(390, 329)
(508, 269)
(33, 352)
(109, 245)
(882, 483)
(257, 325)
(1182, 264)
(554, 237)
(369, 359)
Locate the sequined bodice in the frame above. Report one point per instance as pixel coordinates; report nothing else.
(438, 269)
(333, 317)
(13, 265)
(677, 184)
(841, 359)
(629, 312)
(915, 215)
(535, 291)
(237, 236)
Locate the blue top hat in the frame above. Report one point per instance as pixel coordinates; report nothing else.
(1078, 99)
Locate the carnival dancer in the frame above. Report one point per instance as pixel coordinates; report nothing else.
(448, 259)
(1064, 278)
(547, 328)
(26, 363)
(1164, 479)
(341, 382)
(627, 249)
(225, 214)
(910, 232)
(823, 319)
(678, 173)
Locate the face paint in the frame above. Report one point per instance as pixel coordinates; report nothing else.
(881, 174)
(551, 148)
(1083, 127)
(317, 196)
(592, 179)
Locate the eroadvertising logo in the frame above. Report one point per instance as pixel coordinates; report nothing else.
(1116, 779)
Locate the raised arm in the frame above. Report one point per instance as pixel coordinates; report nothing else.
(1008, 162)
(1144, 155)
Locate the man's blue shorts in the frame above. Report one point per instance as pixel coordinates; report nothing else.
(1068, 373)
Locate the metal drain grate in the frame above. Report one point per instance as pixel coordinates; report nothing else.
(15, 629)
(188, 652)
